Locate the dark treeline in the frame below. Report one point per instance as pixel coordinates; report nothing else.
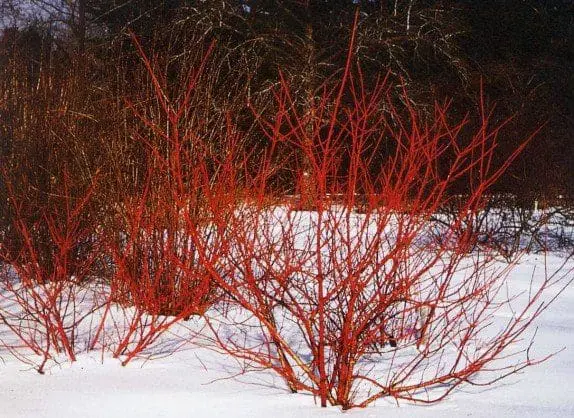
(67, 68)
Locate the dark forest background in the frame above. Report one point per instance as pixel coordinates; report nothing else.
(67, 68)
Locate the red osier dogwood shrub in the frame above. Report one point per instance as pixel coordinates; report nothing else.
(354, 305)
(158, 277)
(46, 255)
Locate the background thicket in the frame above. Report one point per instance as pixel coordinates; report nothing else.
(68, 67)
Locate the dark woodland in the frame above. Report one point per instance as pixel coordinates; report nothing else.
(519, 54)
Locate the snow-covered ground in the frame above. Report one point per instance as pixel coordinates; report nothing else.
(197, 382)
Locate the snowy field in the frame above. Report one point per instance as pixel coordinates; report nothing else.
(197, 382)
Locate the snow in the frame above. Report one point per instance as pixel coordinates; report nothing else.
(195, 381)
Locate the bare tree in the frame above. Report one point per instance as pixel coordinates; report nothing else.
(68, 16)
